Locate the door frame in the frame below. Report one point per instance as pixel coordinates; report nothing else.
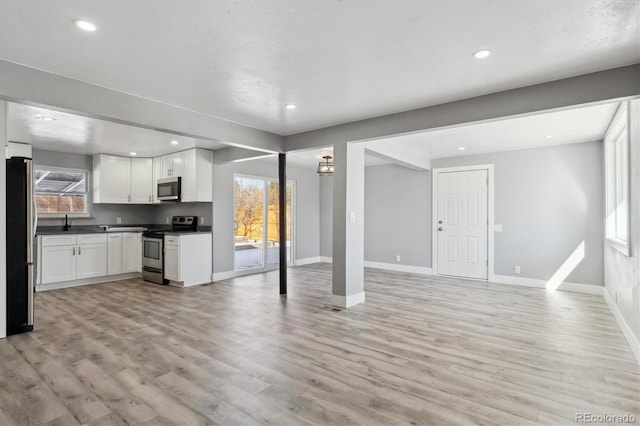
(490, 214)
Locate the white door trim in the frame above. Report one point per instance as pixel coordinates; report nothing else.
(434, 213)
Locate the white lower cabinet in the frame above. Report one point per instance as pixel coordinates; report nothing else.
(71, 257)
(114, 255)
(187, 258)
(124, 253)
(58, 264)
(131, 252)
(172, 263)
(91, 261)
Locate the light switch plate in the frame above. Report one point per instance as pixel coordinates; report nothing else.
(497, 228)
(118, 220)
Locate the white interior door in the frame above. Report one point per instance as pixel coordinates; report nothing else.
(462, 224)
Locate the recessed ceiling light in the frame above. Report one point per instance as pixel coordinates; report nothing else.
(548, 137)
(132, 153)
(461, 148)
(290, 106)
(44, 117)
(85, 25)
(481, 54)
(174, 142)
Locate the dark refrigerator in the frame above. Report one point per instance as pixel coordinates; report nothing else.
(20, 245)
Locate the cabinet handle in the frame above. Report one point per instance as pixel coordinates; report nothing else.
(129, 197)
(73, 253)
(149, 198)
(79, 250)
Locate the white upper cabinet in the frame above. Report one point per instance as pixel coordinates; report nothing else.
(111, 179)
(197, 175)
(157, 174)
(171, 165)
(122, 180)
(141, 180)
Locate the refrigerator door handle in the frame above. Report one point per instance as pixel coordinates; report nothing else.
(29, 202)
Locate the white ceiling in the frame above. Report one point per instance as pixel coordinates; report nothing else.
(576, 125)
(84, 135)
(339, 61)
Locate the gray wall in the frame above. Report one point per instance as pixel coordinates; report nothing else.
(326, 215)
(397, 215)
(307, 241)
(548, 201)
(102, 214)
(622, 273)
(161, 212)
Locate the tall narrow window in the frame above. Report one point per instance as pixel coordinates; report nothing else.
(616, 149)
(61, 191)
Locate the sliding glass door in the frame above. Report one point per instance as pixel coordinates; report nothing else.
(256, 226)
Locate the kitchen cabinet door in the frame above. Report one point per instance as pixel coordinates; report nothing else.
(114, 254)
(166, 164)
(92, 260)
(157, 174)
(171, 165)
(176, 164)
(141, 180)
(197, 175)
(171, 263)
(58, 264)
(131, 252)
(111, 179)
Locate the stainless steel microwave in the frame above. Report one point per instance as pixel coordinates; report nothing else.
(169, 189)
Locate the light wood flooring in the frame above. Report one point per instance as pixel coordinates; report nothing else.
(420, 350)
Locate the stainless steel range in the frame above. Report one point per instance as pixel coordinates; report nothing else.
(153, 247)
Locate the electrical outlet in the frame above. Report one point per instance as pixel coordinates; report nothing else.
(352, 216)
(517, 269)
(202, 220)
(166, 219)
(397, 258)
(118, 220)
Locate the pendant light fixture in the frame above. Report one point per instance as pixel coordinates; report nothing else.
(325, 168)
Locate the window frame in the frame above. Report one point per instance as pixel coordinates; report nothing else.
(61, 215)
(616, 146)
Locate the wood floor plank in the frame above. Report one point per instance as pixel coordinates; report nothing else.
(422, 350)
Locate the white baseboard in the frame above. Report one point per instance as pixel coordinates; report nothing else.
(308, 261)
(533, 282)
(422, 270)
(326, 259)
(219, 276)
(632, 339)
(87, 281)
(347, 301)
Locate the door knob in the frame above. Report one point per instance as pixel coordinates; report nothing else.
(440, 229)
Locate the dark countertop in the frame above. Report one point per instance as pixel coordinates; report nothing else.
(199, 231)
(95, 229)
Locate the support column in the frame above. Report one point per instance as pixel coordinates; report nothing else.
(348, 225)
(3, 220)
(282, 220)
